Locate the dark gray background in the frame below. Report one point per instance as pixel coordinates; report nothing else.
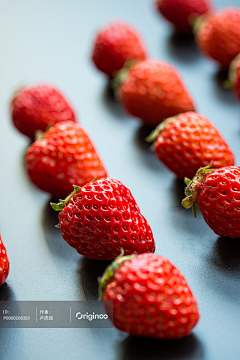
(51, 41)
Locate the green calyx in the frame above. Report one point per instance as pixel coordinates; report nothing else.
(39, 135)
(197, 22)
(191, 190)
(62, 203)
(232, 73)
(110, 271)
(155, 133)
(120, 76)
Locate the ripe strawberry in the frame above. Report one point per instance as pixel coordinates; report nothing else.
(217, 193)
(234, 76)
(116, 44)
(4, 263)
(182, 13)
(219, 35)
(39, 107)
(188, 141)
(102, 217)
(154, 91)
(150, 297)
(65, 156)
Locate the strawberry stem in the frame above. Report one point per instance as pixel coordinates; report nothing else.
(197, 23)
(155, 133)
(120, 76)
(59, 206)
(191, 190)
(187, 181)
(110, 271)
(39, 135)
(232, 73)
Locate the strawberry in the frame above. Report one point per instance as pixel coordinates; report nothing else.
(102, 217)
(188, 141)
(217, 193)
(150, 297)
(116, 44)
(4, 263)
(234, 76)
(218, 36)
(39, 107)
(182, 13)
(65, 156)
(154, 91)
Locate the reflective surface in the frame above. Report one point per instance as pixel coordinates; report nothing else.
(51, 41)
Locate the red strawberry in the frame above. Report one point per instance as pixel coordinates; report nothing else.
(116, 44)
(219, 35)
(39, 107)
(4, 263)
(65, 156)
(154, 91)
(217, 193)
(102, 217)
(188, 141)
(234, 76)
(182, 13)
(150, 297)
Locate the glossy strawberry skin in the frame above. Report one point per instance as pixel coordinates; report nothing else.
(219, 35)
(191, 141)
(153, 91)
(182, 12)
(151, 298)
(102, 218)
(63, 158)
(4, 263)
(219, 201)
(38, 108)
(116, 44)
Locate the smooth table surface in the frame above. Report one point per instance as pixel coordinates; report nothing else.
(51, 41)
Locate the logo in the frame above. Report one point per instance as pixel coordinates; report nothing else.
(91, 316)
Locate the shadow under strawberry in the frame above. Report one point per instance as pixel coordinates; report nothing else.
(226, 256)
(221, 272)
(57, 245)
(110, 101)
(221, 91)
(6, 293)
(183, 219)
(178, 188)
(146, 154)
(182, 47)
(141, 134)
(134, 347)
(88, 272)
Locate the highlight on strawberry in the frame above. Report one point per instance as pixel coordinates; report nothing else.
(102, 217)
(38, 107)
(150, 297)
(63, 157)
(116, 44)
(217, 194)
(188, 141)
